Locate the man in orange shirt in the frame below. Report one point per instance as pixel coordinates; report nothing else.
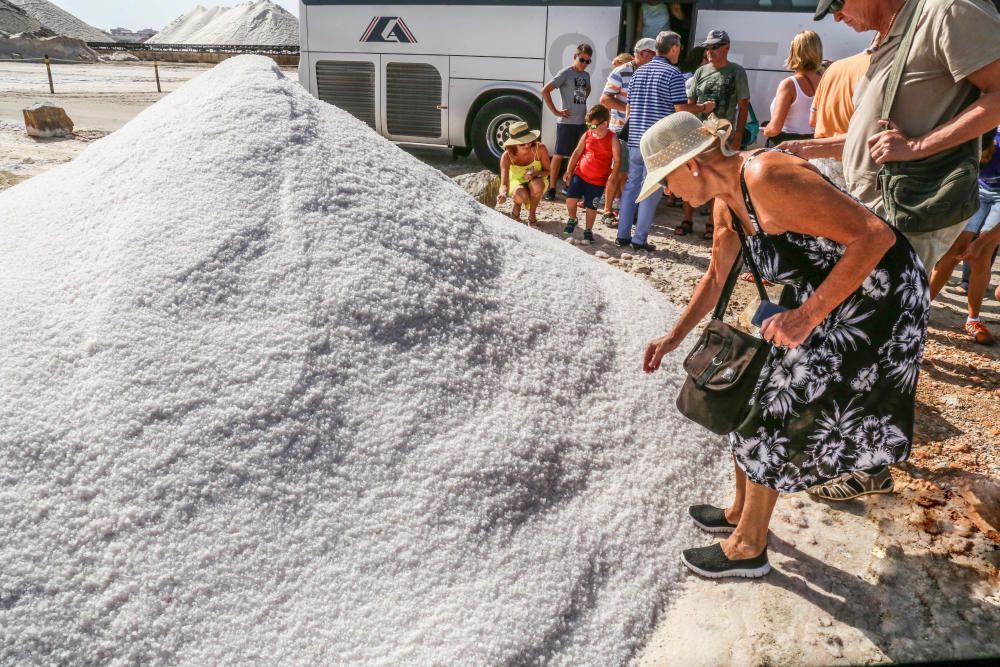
(833, 104)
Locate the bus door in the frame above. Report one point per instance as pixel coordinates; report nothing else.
(678, 17)
(415, 94)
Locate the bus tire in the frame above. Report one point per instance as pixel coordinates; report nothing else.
(489, 129)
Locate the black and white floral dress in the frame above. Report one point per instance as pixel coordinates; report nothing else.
(844, 399)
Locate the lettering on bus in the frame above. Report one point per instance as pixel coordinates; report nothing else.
(388, 29)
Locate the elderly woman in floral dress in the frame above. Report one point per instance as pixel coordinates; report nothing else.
(837, 392)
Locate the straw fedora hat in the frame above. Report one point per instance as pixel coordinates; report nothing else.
(521, 133)
(674, 140)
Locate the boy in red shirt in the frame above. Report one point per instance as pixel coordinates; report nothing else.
(589, 168)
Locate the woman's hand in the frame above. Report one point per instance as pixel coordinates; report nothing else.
(501, 199)
(655, 350)
(789, 328)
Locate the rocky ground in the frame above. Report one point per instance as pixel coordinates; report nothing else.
(907, 577)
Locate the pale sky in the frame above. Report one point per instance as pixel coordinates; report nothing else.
(107, 14)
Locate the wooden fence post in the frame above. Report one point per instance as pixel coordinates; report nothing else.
(48, 68)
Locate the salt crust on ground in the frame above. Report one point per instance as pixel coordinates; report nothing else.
(62, 22)
(274, 391)
(255, 22)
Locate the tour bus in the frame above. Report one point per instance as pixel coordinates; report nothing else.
(458, 72)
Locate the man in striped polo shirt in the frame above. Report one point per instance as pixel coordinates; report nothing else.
(615, 98)
(656, 90)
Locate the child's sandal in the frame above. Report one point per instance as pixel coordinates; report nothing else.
(709, 230)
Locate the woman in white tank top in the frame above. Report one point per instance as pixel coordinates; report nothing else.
(792, 103)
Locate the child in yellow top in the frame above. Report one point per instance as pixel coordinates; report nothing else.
(524, 170)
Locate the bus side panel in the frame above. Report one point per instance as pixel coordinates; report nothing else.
(446, 30)
(568, 27)
(497, 69)
(760, 44)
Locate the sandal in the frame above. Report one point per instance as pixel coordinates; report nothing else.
(609, 219)
(709, 231)
(686, 227)
(748, 277)
(532, 221)
(853, 485)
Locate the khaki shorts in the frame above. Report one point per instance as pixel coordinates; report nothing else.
(931, 246)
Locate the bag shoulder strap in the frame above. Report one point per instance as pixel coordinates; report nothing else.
(899, 63)
(734, 273)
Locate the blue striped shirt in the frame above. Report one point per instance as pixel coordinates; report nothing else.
(654, 90)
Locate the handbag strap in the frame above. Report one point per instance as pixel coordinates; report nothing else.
(899, 63)
(734, 273)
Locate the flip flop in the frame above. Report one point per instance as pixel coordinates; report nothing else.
(686, 227)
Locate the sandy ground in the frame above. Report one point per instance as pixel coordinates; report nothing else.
(907, 577)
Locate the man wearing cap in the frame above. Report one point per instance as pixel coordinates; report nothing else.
(721, 87)
(656, 91)
(949, 95)
(615, 98)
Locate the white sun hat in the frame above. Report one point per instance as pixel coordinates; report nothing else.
(674, 140)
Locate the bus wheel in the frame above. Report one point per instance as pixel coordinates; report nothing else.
(492, 126)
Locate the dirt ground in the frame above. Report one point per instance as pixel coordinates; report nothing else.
(907, 577)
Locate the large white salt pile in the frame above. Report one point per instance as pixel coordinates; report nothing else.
(62, 22)
(255, 22)
(277, 393)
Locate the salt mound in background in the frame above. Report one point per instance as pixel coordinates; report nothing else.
(62, 22)
(274, 391)
(255, 22)
(58, 47)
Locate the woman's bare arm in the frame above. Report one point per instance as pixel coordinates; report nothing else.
(543, 156)
(725, 247)
(504, 171)
(790, 196)
(782, 103)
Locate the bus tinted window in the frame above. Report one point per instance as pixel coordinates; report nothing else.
(760, 5)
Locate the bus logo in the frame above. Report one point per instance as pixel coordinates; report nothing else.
(388, 29)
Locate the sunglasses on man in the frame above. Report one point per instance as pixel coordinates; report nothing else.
(713, 47)
(585, 61)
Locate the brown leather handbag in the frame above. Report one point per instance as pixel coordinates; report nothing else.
(725, 364)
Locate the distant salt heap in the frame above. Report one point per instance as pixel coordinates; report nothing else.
(62, 22)
(276, 392)
(255, 22)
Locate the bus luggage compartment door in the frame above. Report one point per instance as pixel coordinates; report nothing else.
(347, 81)
(415, 90)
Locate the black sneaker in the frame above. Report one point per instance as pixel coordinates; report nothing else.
(550, 195)
(570, 226)
(712, 562)
(648, 247)
(711, 519)
(621, 243)
(588, 236)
